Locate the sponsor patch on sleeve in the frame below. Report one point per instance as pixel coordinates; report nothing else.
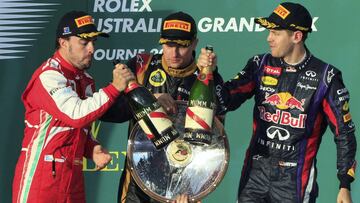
(351, 172)
(347, 117)
(346, 106)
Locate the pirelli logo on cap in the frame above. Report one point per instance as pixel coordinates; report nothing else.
(282, 11)
(85, 20)
(177, 25)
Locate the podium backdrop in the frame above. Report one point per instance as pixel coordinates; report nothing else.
(27, 30)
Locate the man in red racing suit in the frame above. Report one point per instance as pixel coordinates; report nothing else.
(60, 103)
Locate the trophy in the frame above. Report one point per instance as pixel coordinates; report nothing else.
(179, 167)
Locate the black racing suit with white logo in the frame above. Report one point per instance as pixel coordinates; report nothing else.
(293, 106)
(151, 72)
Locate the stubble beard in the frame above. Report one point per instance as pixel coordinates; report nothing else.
(81, 65)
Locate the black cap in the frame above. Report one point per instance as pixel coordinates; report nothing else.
(78, 23)
(289, 16)
(178, 27)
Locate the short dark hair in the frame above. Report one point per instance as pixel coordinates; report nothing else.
(57, 45)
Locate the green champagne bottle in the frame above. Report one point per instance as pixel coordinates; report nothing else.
(150, 115)
(200, 110)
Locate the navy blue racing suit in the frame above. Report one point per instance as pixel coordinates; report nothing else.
(294, 104)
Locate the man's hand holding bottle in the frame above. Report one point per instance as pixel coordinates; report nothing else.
(207, 59)
(121, 76)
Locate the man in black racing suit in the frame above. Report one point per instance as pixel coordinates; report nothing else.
(169, 76)
(296, 97)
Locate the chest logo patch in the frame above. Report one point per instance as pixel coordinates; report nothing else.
(284, 100)
(267, 80)
(276, 71)
(157, 78)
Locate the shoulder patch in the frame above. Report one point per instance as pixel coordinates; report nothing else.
(51, 63)
(330, 74)
(256, 59)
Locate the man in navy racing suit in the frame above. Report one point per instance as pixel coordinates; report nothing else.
(296, 96)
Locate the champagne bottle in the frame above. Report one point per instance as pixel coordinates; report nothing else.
(150, 115)
(200, 110)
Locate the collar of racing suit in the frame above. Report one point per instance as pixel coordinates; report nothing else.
(301, 64)
(66, 64)
(176, 72)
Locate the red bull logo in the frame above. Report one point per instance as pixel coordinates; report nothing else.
(283, 118)
(284, 100)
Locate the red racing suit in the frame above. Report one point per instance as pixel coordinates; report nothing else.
(60, 105)
(294, 104)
